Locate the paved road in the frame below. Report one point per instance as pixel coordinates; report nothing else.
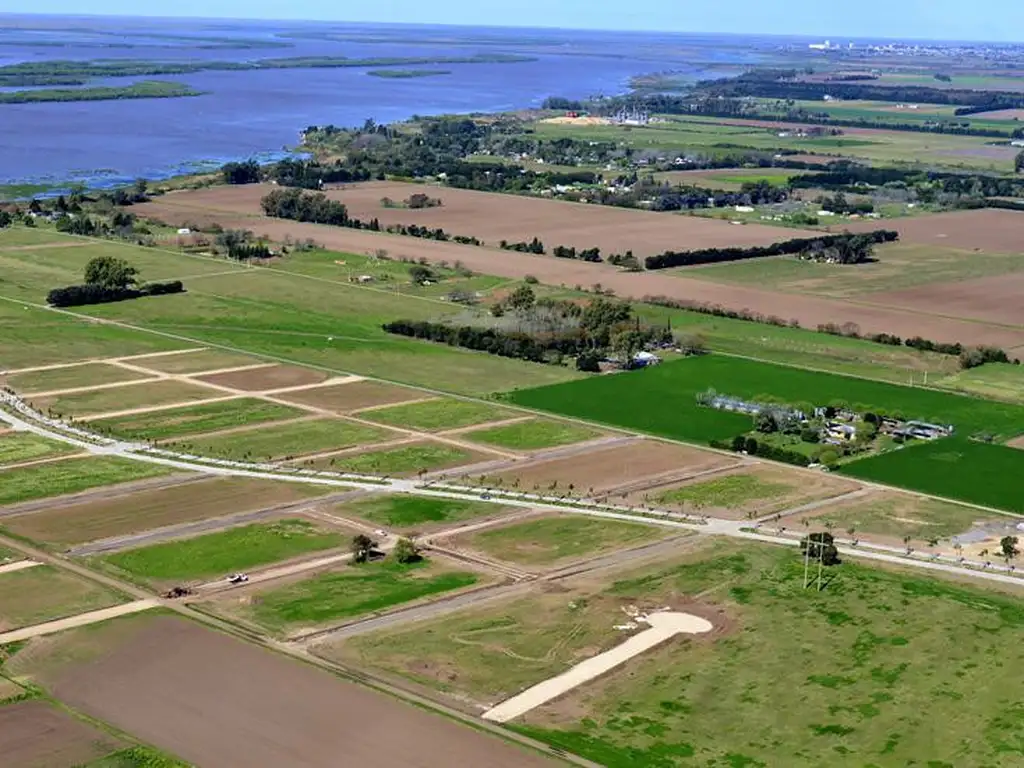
(81, 620)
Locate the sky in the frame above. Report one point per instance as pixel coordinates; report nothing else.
(994, 20)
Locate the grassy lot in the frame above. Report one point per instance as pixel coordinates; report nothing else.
(407, 459)
(137, 757)
(15, 237)
(72, 524)
(882, 668)
(197, 362)
(533, 434)
(899, 266)
(400, 511)
(9, 555)
(18, 447)
(30, 337)
(44, 593)
(284, 441)
(194, 420)
(352, 591)
(216, 554)
(1001, 381)
(71, 476)
(438, 415)
(898, 515)
(554, 540)
(726, 492)
(141, 395)
(86, 375)
(955, 468)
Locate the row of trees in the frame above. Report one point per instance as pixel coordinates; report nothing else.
(857, 245)
(109, 279)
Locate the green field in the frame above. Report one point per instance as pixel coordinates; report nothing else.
(352, 591)
(217, 554)
(533, 434)
(955, 468)
(9, 555)
(18, 447)
(859, 674)
(554, 540)
(399, 461)
(86, 375)
(44, 593)
(726, 492)
(438, 415)
(401, 511)
(194, 420)
(283, 441)
(142, 395)
(899, 515)
(71, 476)
(1001, 381)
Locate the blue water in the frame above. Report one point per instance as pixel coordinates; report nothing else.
(261, 113)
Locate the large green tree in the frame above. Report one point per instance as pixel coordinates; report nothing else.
(110, 272)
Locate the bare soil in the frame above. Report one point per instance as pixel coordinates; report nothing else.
(35, 735)
(132, 513)
(263, 379)
(344, 398)
(493, 217)
(810, 311)
(989, 299)
(606, 468)
(989, 229)
(1000, 114)
(224, 702)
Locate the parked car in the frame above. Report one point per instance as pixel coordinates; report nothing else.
(238, 578)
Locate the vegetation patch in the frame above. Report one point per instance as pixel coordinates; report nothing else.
(18, 447)
(71, 476)
(219, 553)
(44, 593)
(401, 511)
(193, 420)
(85, 375)
(353, 591)
(438, 415)
(727, 492)
(405, 460)
(898, 515)
(284, 441)
(533, 434)
(141, 395)
(552, 540)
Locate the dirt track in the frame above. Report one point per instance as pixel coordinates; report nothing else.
(260, 710)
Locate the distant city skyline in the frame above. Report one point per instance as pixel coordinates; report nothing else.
(981, 20)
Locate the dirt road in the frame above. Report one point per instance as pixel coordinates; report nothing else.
(83, 619)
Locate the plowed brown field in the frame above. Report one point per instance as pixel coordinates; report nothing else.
(988, 229)
(35, 735)
(216, 701)
(989, 299)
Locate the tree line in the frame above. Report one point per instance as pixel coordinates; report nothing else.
(854, 246)
(108, 279)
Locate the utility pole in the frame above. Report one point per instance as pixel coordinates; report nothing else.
(807, 553)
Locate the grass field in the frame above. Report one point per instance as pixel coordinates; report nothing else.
(898, 266)
(729, 492)
(896, 515)
(955, 468)
(437, 415)
(71, 476)
(9, 555)
(86, 375)
(533, 434)
(44, 593)
(18, 447)
(196, 362)
(351, 591)
(403, 460)
(554, 540)
(142, 395)
(400, 511)
(882, 668)
(216, 554)
(284, 441)
(1001, 381)
(194, 420)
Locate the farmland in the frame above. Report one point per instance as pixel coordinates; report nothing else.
(129, 397)
(18, 448)
(74, 376)
(437, 415)
(409, 511)
(193, 420)
(718, 698)
(44, 593)
(215, 554)
(405, 459)
(533, 434)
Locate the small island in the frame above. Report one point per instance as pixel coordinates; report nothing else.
(145, 89)
(402, 74)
